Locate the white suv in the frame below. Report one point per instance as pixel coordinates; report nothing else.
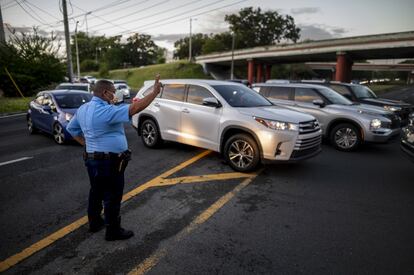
(228, 118)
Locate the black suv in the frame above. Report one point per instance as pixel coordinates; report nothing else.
(362, 94)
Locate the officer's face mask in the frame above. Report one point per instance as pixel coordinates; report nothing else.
(110, 95)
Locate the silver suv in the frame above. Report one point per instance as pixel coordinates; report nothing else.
(228, 118)
(346, 124)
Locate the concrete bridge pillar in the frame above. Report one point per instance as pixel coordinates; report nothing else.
(343, 67)
(268, 72)
(259, 73)
(250, 70)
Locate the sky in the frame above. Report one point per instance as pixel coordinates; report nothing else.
(169, 20)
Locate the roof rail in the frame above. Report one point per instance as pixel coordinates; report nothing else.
(278, 81)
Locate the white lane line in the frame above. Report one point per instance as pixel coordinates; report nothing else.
(15, 160)
(21, 114)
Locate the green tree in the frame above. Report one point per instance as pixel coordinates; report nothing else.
(33, 62)
(256, 28)
(141, 50)
(218, 43)
(183, 45)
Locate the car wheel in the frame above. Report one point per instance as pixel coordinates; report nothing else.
(58, 134)
(345, 137)
(150, 134)
(32, 129)
(242, 153)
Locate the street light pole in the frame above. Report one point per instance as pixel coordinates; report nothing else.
(67, 39)
(86, 21)
(190, 50)
(232, 57)
(77, 51)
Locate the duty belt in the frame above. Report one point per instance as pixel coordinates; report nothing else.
(100, 156)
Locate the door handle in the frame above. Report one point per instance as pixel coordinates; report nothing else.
(185, 110)
(156, 104)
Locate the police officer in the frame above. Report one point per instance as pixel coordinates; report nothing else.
(99, 124)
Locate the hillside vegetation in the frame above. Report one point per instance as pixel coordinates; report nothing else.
(136, 76)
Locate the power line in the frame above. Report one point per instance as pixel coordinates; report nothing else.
(133, 13)
(46, 12)
(131, 21)
(42, 23)
(148, 26)
(101, 18)
(114, 11)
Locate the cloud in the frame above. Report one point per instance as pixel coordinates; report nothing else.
(169, 37)
(320, 32)
(305, 10)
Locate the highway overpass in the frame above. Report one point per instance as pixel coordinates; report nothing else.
(343, 52)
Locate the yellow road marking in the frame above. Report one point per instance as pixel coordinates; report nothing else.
(151, 261)
(203, 178)
(13, 260)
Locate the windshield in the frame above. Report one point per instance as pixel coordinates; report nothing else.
(71, 101)
(120, 87)
(363, 92)
(241, 96)
(334, 97)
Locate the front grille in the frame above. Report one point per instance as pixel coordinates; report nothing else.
(306, 143)
(308, 127)
(303, 153)
(395, 121)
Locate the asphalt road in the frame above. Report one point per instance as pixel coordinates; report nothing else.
(338, 213)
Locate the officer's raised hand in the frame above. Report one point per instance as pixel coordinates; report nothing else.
(140, 105)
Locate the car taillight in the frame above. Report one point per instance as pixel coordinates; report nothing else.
(135, 99)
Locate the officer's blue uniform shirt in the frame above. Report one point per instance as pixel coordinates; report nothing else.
(102, 126)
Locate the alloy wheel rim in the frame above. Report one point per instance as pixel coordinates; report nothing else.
(346, 138)
(148, 132)
(241, 153)
(58, 134)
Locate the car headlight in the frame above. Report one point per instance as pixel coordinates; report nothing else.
(376, 123)
(392, 108)
(278, 125)
(68, 116)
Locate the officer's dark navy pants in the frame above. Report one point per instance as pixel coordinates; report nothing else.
(107, 185)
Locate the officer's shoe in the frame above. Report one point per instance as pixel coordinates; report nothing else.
(96, 225)
(117, 233)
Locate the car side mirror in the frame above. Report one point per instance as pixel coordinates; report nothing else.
(47, 108)
(319, 102)
(212, 102)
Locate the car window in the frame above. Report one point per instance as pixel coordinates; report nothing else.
(280, 93)
(334, 97)
(241, 96)
(120, 87)
(73, 87)
(173, 92)
(363, 92)
(196, 94)
(306, 95)
(47, 101)
(148, 91)
(39, 99)
(72, 100)
(341, 89)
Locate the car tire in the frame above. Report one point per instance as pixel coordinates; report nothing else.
(150, 134)
(59, 134)
(242, 153)
(30, 126)
(345, 137)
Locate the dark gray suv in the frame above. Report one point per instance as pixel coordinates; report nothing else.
(344, 123)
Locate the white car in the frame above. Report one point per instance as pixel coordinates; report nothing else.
(228, 118)
(124, 89)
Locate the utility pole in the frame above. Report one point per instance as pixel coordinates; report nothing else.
(232, 57)
(77, 51)
(67, 39)
(86, 21)
(189, 50)
(2, 36)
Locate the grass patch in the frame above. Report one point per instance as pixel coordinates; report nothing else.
(136, 76)
(383, 88)
(14, 104)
